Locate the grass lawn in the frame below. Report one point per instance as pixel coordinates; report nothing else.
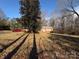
(9, 36)
(43, 43)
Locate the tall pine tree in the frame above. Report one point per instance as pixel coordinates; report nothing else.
(30, 11)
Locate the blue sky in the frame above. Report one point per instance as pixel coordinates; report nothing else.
(11, 7)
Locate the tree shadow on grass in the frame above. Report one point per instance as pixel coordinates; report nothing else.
(10, 55)
(8, 45)
(33, 53)
(2, 45)
(72, 42)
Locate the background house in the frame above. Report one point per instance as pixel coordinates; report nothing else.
(46, 29)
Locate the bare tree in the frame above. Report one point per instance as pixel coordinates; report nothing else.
(69, 5)
(43, 19)
(2, 14)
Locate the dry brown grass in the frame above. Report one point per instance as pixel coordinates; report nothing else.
(46, 48)
(10, 35)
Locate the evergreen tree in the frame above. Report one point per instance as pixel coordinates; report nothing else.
(30, 11)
